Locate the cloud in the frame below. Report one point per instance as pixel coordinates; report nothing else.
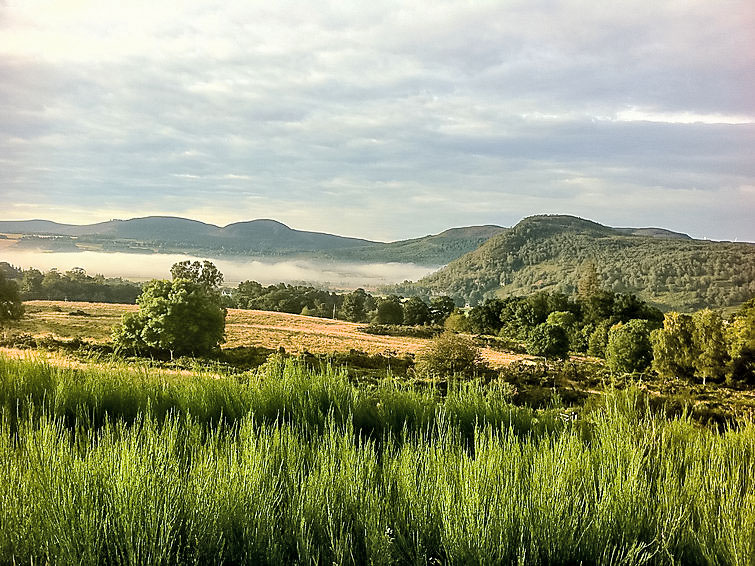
(381, 121)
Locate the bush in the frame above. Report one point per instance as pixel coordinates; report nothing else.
(457, 322)
(549, 341)
(449, 354)
(10, 301)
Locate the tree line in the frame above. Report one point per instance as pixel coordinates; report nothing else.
(73, 285)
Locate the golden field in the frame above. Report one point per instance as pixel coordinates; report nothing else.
(295, 333)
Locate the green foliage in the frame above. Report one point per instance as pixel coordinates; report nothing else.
(549, 252)
(355, 306)
(598, 340)
(178, 317)
(457, 322)
(548, 341)
(708, 336)
(10, 301)
(203, 273)
(674, 350)
(628, 349)
(76, 285)
(441, 308)
(402, 330)
(389, 311)
(287, 298)
(740, 336)
(416, 312)
(589, 281)
(449, 354)
(291, 467)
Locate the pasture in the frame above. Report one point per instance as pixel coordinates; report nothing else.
(272, 330)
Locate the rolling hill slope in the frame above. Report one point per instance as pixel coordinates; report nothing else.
(547, 253)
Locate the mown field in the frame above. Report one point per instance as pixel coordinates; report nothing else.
(131, 465)
(272, 330)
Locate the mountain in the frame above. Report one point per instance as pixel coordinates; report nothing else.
(548, 252)
(433, 249)
(261, 237)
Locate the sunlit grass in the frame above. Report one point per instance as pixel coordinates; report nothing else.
(134, 466)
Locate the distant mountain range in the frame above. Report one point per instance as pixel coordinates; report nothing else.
(547, 252)
(256, 237)
(669, 269)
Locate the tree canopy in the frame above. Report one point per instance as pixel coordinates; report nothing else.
(178, 317)
(10, 301)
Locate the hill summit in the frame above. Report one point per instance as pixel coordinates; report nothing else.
(548, 252)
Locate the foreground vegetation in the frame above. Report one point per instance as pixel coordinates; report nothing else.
(285, 465)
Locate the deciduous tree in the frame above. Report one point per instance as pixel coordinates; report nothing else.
(629, 349)
(11, 307)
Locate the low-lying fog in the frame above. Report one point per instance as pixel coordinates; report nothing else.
(265, 270)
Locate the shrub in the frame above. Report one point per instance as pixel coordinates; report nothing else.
(457, 322)
(449, 354)
(549, 341)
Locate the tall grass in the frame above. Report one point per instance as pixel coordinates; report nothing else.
(287, 466)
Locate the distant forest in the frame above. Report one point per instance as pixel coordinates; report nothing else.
(548, 253)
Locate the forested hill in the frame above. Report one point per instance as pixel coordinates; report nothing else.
(550, 252)
(261, 237)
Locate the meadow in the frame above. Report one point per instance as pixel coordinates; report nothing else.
(272, 330)
(127, 464)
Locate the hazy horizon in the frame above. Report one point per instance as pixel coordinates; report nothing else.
(381, 121)
(265, 270)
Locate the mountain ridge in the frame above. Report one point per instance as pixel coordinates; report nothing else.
(254, 237)
(547, 252)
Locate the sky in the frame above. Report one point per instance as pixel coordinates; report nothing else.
(381, 120)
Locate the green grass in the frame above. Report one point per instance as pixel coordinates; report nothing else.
(284, 465)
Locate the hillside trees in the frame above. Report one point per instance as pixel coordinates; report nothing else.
(179, 317)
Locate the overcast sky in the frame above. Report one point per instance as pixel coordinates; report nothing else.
(383, 120)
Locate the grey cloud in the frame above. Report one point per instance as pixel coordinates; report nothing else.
(447, 104)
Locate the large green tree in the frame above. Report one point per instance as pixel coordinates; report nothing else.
(629, 349)
(712, 356)
(674, 349)
(389, 311)
(179, 317)
(740, 334)
(416, 312)
(354, 307)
